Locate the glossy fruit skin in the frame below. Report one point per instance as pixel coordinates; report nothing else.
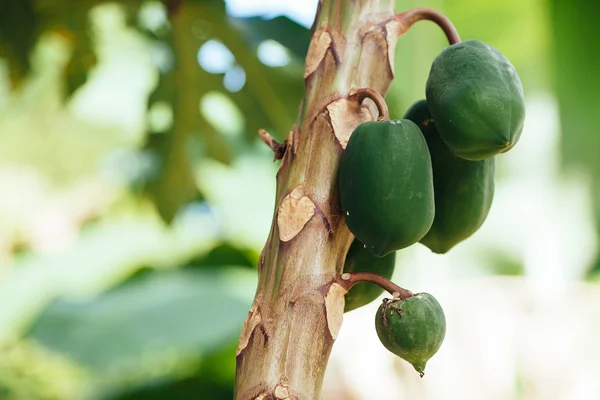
(413, 329)
(463, 189)
(386, 185)
(359, 259)
(476, 98)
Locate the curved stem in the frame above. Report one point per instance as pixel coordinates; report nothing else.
(367, 93)
(349, 279)
(410, 17)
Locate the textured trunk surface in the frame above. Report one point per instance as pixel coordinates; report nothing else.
(297, 312)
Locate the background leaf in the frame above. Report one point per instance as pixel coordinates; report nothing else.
(287, 32)
(160, 312)
(577, 86)
(18, 31)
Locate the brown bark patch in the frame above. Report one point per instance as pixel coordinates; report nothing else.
(319, 46)
(281, 392)
(345, 116)
(334, 306)
(252, 321)
(294, 212)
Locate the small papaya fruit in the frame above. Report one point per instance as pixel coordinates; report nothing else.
(413, 328)
(386, 185)
(476, 98)
(359, 259)
(463, 189)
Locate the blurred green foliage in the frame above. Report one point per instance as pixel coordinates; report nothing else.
(136, 197)
(577, 61)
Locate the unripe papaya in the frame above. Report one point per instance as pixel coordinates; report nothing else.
(359, 259)
(386, 185)
(476, 98)
(463, 189)
(413, 328)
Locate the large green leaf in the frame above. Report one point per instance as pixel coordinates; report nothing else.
(271, 99)
(282, 29)
(271, 96)
(22, 22)
(226, 254)
(182, 87)
(18, 31)
(215, 380)
(153, 317)
(104, 255)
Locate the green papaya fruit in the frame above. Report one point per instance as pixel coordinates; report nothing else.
(359, 259)
(386, 185)
(413, 328)
(463, 189)
(476, 98)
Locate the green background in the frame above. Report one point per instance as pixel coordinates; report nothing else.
(135, 196)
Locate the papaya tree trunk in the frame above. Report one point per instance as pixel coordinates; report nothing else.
(297, 311)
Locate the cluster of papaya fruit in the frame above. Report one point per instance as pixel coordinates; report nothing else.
(427, 178)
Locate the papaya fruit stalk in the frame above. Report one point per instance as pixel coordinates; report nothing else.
(412, 16)
(358, 259)
(298, 307)
(349, 279)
